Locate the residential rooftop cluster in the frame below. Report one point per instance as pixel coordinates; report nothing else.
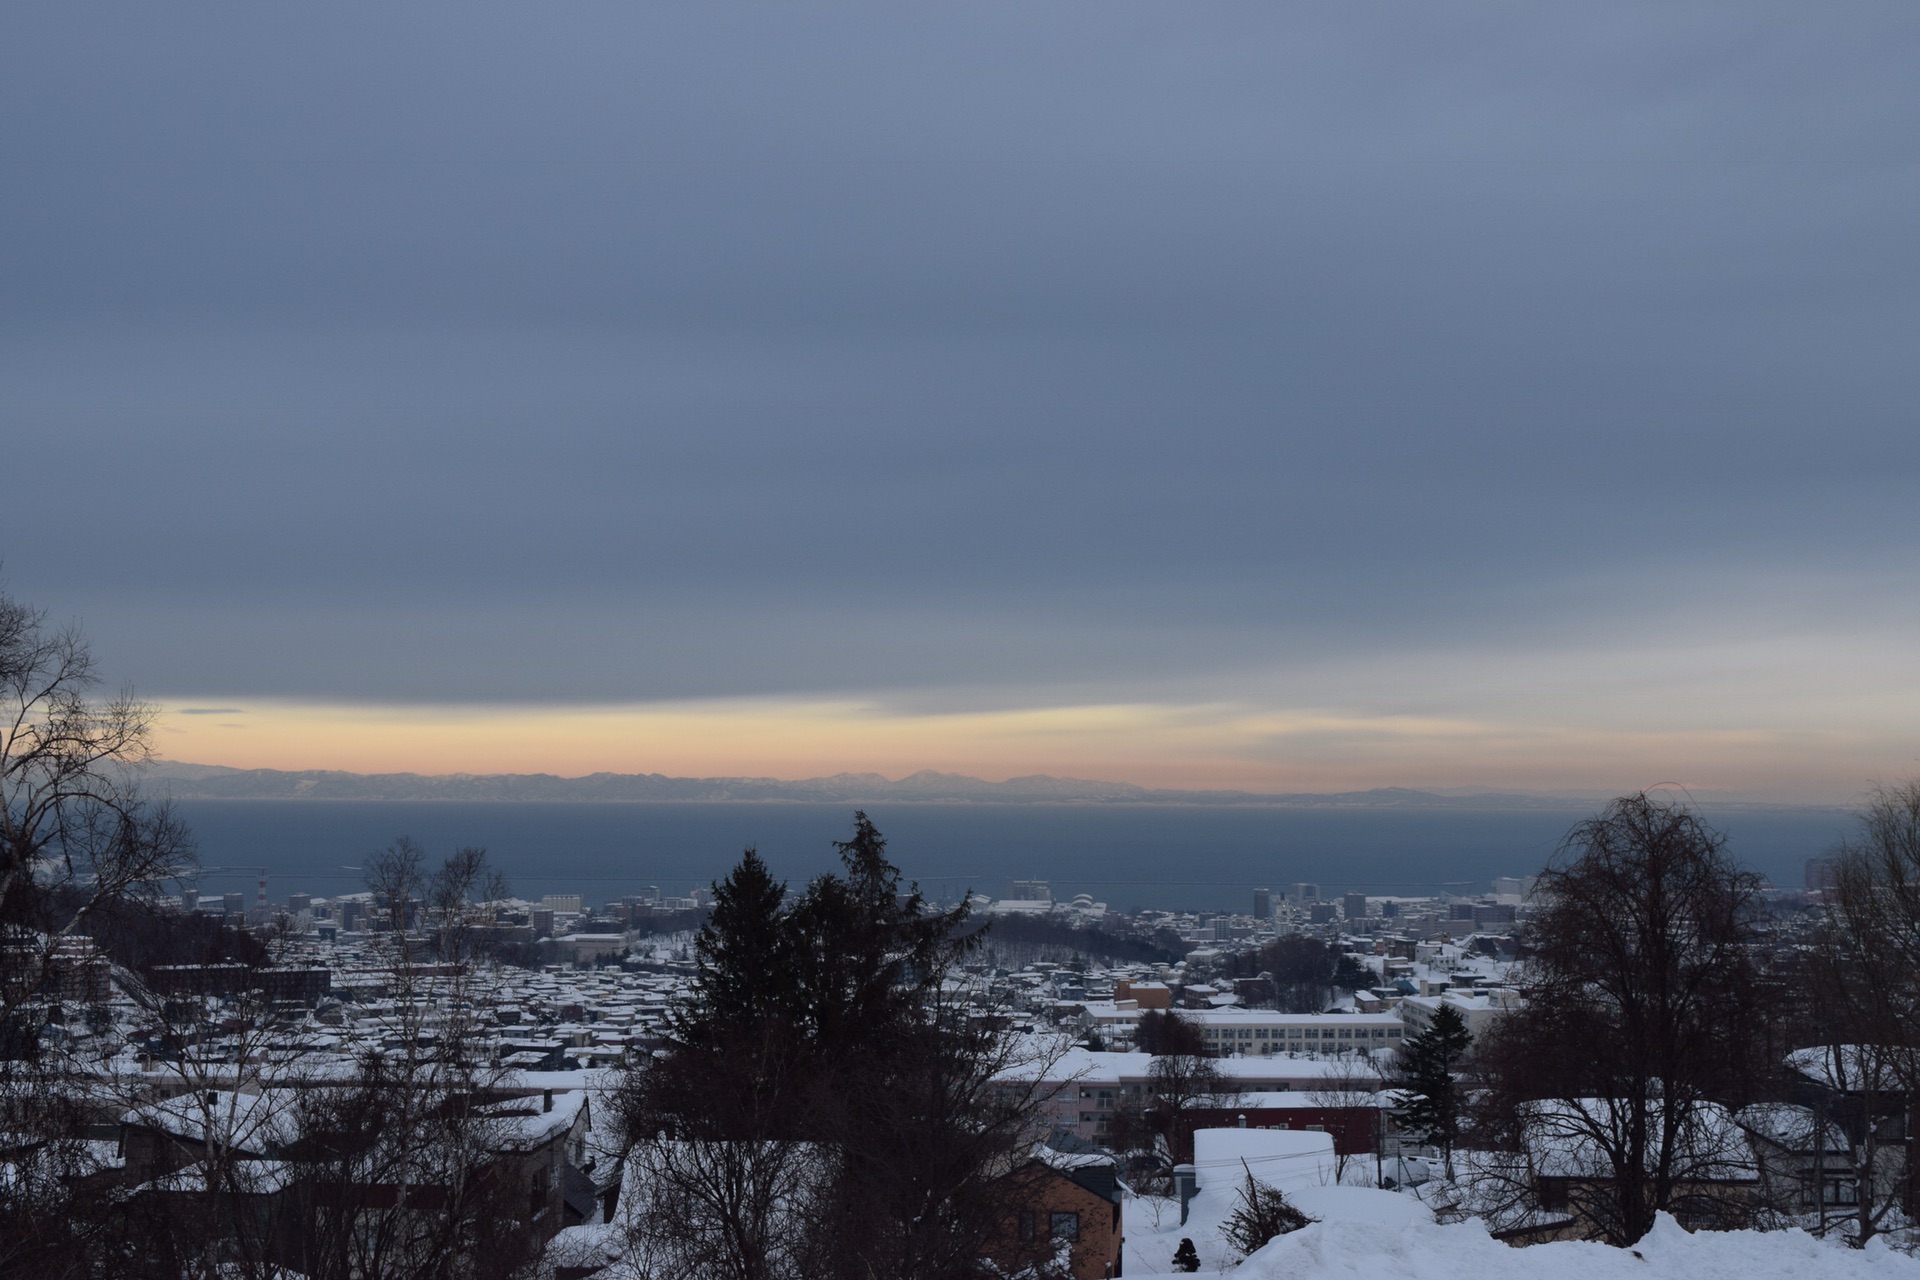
(554, 1000)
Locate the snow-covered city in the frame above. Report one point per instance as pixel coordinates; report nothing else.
(432, 1072)
(998, 641)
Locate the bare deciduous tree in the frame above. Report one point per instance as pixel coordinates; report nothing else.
(76, 837)
(1352, 1082)
(76, 833)
(1867, 1008)
(1642, 1005)
(412, 1166)
(1179, 1084)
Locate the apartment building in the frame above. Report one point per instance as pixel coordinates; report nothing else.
(1264, 1032)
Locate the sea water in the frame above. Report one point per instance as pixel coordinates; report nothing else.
(1179, 857)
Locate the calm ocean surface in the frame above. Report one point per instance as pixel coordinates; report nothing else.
(1129, 856)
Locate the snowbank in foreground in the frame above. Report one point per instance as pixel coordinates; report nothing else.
(1340, 1249)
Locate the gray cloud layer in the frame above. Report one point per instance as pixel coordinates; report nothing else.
(601, 352)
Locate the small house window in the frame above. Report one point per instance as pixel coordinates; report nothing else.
(1065, 1226)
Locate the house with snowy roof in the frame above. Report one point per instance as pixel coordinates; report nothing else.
(1062, 1208)
(1575, 1148)
(1854, 1138)
(273, 1152)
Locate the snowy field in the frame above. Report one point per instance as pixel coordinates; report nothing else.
(1361, 1234)
(1366, 1234)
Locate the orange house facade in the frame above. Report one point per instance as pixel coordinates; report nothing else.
(1064, 1204)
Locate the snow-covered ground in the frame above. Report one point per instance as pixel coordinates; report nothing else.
(1377, 1235)
(1360, 1233)
(1298, 1162)
(1339, 1249)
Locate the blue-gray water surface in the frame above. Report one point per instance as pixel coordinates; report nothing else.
(1130, 856)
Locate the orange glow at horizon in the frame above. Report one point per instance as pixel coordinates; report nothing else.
(1200, 746)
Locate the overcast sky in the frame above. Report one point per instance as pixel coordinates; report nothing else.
(1244, 395)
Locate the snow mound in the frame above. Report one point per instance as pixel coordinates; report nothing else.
(1289, 1159)
(1360, 1204)
(1342, 1248)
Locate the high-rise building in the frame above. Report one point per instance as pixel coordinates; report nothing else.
(235, 903)
(1031, 891)
(298, 902)
(1356, 906)
(561, 902)
(1305, 893)
(1322, 912)
(1263, 904)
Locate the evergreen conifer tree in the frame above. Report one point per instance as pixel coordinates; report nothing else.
(1429, 1095)
(867, 953)
(744, 959)
(824, 1099)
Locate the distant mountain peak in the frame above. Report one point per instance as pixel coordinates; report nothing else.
(189, 781)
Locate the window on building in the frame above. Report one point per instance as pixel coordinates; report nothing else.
(537, 1197)
(1065, 1226)
(1026, 1224)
